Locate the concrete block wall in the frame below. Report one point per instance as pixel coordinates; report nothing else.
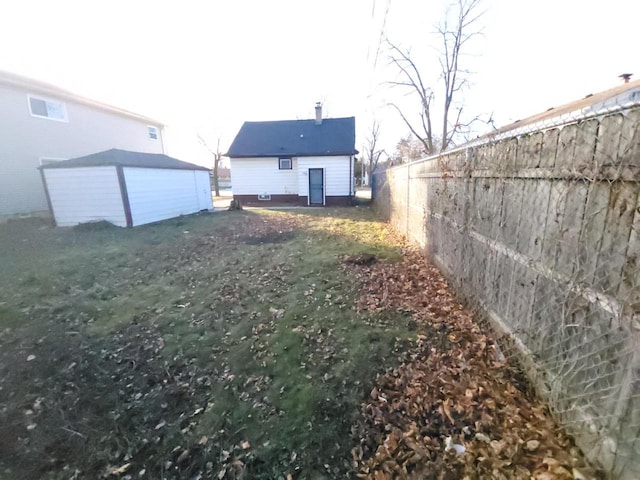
(542, 230)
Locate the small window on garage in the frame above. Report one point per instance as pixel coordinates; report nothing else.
(285, 163)
(46, 108)
(153, 132)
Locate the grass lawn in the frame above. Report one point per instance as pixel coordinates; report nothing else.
(221, 345)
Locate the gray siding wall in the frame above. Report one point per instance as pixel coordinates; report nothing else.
(25, 139)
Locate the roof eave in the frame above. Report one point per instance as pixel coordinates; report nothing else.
(292, 154)
(47, 89)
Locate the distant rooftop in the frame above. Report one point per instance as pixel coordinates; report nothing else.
(37, 86)
(125, 158)
(333, 136)
(622, 95)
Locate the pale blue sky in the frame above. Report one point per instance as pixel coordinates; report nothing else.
(209, 65)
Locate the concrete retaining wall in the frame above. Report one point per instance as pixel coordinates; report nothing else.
(542, 231)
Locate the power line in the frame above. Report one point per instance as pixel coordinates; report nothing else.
(384, 24)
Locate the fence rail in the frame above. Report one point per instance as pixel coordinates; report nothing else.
(541, 228)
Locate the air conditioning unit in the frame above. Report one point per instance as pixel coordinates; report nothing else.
(264, 196)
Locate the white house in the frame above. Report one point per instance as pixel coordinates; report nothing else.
(41, 123)
(124, 188)
(302, 162)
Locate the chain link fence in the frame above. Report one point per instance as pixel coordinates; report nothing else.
(540, 227)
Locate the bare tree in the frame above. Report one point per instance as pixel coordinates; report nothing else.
(217, 156)
(371, 153)
(408, 149)
(454, 78)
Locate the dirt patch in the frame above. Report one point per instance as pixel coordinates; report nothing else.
(84, 384)
(362, 259)
(272, 237)
(94, 226)
(456, 408)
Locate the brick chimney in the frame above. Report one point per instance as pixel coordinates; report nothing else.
(318, 113)
(625, 77)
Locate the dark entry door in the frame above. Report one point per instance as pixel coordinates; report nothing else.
(316, 186)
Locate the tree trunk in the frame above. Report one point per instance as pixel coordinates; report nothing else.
(216, 183)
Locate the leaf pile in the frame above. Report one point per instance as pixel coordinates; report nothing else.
(456, 408)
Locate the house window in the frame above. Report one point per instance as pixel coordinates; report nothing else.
(153, 132)
(47, 108)
(285, 163)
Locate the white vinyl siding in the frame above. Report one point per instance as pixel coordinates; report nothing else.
(254, 176)
(157, 194)
(337, 174)
(203, 187)
(80, 195)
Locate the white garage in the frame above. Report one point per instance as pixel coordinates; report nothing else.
(124, 188)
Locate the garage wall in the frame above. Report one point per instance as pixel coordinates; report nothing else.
(203, 187)
(157, 194)
(80, 195)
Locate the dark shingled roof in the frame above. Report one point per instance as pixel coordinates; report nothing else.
(334, 136)
(125, 158)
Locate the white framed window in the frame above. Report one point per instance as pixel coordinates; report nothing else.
(49, 160)
(47, 108)
(285, 163)
(153, 132)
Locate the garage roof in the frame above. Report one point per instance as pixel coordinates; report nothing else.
(334, 136)
(125, 158)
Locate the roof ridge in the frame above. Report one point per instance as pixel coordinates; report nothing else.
(125, 158)
(299, 120)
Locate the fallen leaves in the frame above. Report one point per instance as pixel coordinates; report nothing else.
(236, 352)
(276, 313)
(455, 408)
(117, 470)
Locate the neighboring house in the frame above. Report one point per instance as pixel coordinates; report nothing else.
(124, 188)
(224, 177)
(623, 95)
(302, 162)
(41, 123)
